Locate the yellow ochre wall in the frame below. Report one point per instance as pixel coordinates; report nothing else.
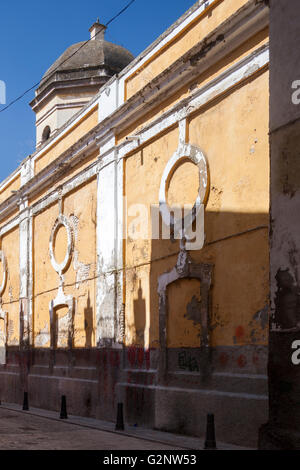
(80, 278)
(7, 189)
(205, 23)
(71, 137)
(10, 298)
(228, 60)
(232, 131)
(233, 134)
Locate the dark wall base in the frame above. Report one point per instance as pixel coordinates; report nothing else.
(229, 382)
(272, 437)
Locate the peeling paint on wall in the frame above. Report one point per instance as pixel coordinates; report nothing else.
(82, 270)
(193, 311)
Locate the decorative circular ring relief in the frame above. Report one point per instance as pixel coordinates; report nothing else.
(194, 154)
(61, 221)
(4, 279)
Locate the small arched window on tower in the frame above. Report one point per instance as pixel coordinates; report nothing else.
(46, 134)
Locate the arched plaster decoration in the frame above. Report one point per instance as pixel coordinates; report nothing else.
(61, 221)
(3, 314)
(185, 268)
(61, 300)
(194, 154)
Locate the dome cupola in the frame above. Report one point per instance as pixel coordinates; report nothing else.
(74, 78)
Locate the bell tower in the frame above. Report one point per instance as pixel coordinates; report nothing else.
(74, 79)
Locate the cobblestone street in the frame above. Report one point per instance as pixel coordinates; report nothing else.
(21, 431)
(38, 429)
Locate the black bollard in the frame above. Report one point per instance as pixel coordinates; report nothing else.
(25, 402)
(63, 409)
(120, 421)
(210, 439)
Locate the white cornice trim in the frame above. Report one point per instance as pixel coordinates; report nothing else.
(243, 70)
(73, 104)
(59, 135)
(258, 11)
(166, 37)
(244, 24)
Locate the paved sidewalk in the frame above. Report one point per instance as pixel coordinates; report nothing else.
(38, 429)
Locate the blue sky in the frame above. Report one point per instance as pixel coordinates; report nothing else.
(33, 34)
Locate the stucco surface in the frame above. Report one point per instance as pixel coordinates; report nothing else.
(207, 22)
(95, 287)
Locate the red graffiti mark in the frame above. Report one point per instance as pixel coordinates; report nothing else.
(131, 356)
(140, 356)
(189, 382)
(241, 360)
(223, 359)
(255, 359)
(239, 332)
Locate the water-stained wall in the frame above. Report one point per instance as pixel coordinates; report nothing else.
(103, 302)
(232, 133)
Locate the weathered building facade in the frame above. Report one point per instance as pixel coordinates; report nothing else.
(282, 431)
(94, 310)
